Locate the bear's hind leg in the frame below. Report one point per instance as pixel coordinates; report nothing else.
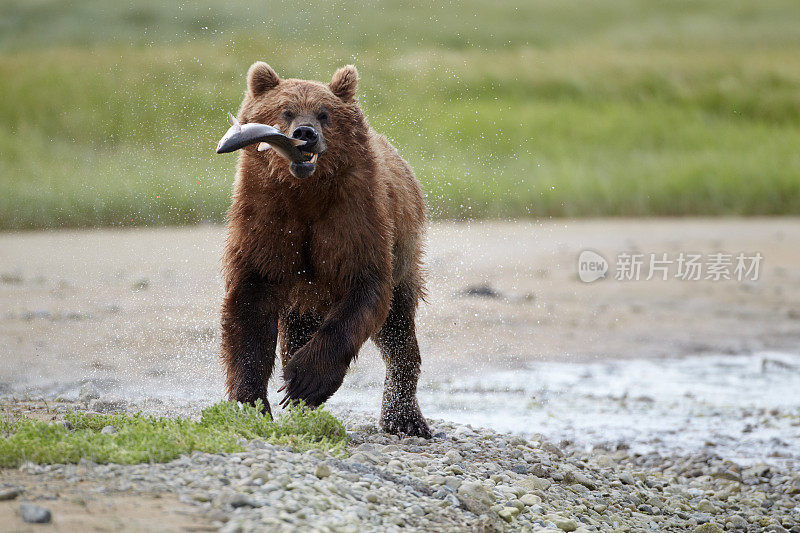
(296, 329)
(397, 341)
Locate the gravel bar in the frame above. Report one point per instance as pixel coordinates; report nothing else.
(464, 479)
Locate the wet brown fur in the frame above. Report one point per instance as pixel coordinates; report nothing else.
(323, 262)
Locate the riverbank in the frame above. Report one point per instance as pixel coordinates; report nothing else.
(464, 479)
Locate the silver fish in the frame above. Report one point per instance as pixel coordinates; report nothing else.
(241, 135)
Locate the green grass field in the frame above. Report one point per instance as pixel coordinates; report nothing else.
(110, 111)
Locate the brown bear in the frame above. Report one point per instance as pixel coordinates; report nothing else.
(323, 254)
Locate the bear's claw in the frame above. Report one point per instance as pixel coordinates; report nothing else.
(251, 399)
(411, 423)
(304, 382)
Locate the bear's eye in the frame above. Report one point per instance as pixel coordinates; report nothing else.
(322, 116)
(288, 115)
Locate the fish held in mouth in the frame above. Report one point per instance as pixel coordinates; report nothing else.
(268, 137)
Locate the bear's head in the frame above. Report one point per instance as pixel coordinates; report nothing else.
(326, 116)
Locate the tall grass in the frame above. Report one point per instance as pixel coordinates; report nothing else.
(110, 111)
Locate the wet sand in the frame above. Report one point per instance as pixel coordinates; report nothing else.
(136, 310)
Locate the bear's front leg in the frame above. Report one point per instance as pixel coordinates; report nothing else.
(249, 336)
(317, 369)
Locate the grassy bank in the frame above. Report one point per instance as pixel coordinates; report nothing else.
(552, 108)
(138, 438)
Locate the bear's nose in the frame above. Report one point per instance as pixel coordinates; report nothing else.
(308, 134)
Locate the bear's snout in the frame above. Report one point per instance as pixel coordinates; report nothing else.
(308, 134)
(314, 146)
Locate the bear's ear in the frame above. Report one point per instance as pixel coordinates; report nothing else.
(345, 82)
(261, 78)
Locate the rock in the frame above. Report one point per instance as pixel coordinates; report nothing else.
(647, 509)
(530, 499)
(462, 431)
(508, 513)
(580, 478)
(364, 458)
(237, 499)
(453, 482)
(735, 522)
(322, 471)
(706, 506)
(108, 404)
(88, 392)
(9, 494)
(508, 491)
(776, 528)
(708, 527)
(234, 526)
(760, 470)
(552, 448)
(475, 498)
(655, 501)
(451, 500)
(436, 480)
(539, 470)
(533, 483)
(484, 290)
(565, 524)
(453, 456)
(34, 514)
(260, 473)
(727, 474)
(108, 430)
(455, 469)
(517, 504)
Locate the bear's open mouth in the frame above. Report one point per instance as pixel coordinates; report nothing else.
(310, 157)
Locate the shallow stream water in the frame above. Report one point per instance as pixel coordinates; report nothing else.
(744, 408)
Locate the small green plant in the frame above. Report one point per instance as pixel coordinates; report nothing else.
(142, 438)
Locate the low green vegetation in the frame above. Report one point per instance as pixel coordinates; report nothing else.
(111, 111)
(140, 438)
